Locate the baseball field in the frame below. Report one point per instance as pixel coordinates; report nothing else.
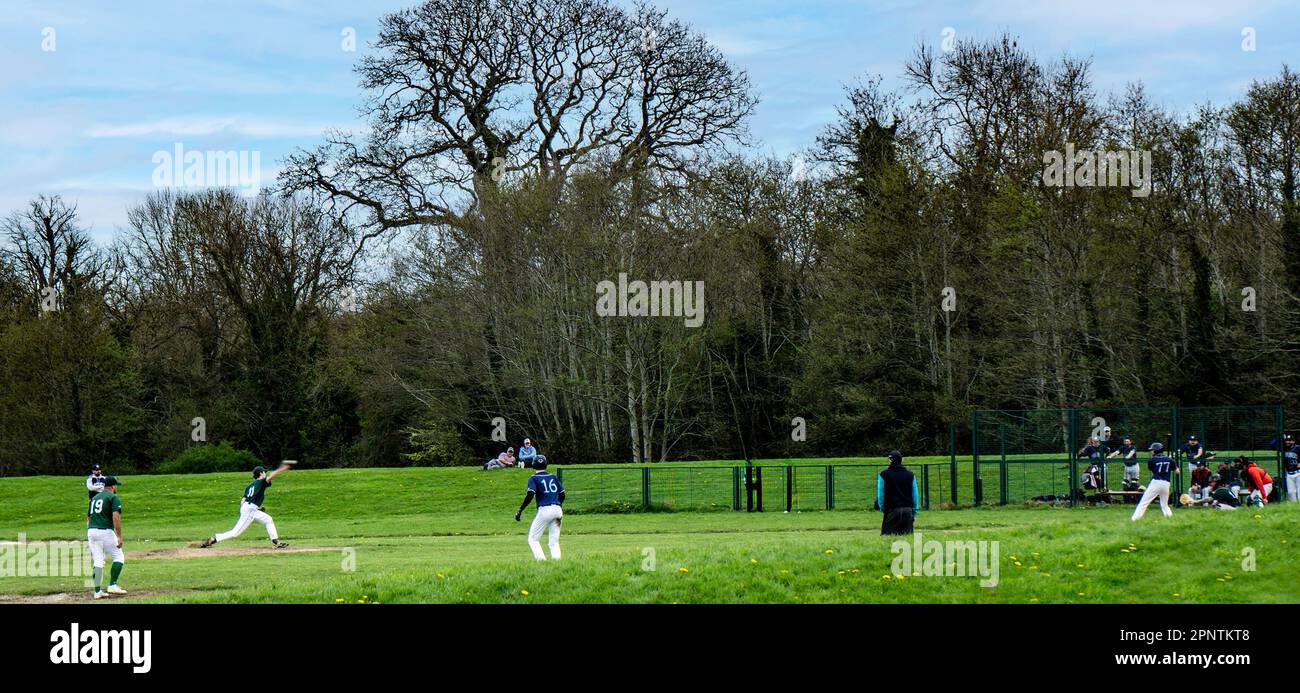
(449, 535)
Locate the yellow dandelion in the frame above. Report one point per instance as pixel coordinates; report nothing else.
(828, 552)
(886, 577)
(753, 561)
(683, 569)
(523, 592)
(1080, 565)
(340, 600)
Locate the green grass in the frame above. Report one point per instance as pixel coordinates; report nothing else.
(448, 535)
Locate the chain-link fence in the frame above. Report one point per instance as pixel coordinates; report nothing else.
(1041, 454)
(760, 488)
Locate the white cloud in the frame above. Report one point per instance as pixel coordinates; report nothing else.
(195, 126)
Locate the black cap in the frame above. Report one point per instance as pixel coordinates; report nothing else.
(1192, 437)
(1285, 437)
(895, 456)
(111, 481)
(259, 469)
(95, 466)
(539, 462)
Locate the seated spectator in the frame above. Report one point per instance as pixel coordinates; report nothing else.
(527, 453)
(1096, 457)
(505, 459)
(1229, 478)
(1201, 482)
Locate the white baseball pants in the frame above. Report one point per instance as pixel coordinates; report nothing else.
(1158, 488)
(548, 520)
(104, 541)
(1293, 486)
(248, 514)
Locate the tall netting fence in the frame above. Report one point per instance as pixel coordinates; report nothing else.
(1042, 454)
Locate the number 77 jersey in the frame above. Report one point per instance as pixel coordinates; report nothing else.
(547, 488)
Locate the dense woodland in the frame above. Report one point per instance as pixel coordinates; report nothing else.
(402, 287)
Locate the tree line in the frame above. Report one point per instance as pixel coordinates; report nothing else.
(406, 294)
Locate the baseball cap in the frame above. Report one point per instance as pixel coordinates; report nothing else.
(895, 456)
(259, 469)
(539, 462)
(1192, 437)
(1157, 447)
(95, 466)
(111, 481)
(1285, 437)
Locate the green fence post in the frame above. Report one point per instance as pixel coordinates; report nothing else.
(1002, 464)
(975, 457)
(789, 488)
(758, 486)
(645, 487)
(1072, 432)
(1281, 423)
(925, 480)
(952, 463)
(830, 487)
(735, 488)
(1171, 449)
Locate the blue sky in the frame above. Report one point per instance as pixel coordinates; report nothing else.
(127, 79)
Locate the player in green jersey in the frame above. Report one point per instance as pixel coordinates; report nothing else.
(250, 508)
(104, 532)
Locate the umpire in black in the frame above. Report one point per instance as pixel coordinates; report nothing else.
(897, 496)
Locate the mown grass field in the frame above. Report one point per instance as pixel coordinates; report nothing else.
(448, 535)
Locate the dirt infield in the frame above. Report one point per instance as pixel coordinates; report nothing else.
(84, 596)
(214, 551)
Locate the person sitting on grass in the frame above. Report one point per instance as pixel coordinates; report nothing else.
(505, 459)
(527, 453)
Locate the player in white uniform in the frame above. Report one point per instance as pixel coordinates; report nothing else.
(548, 490)
(250, 509)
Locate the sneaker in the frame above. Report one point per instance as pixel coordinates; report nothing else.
(99, 595)
(208, 542)
(114, 589)
(278, 544)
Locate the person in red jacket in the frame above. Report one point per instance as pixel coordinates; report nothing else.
(1257, 480)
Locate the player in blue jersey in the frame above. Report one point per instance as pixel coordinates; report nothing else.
(1161, 466)
(549, 492)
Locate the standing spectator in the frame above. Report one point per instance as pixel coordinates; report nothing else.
(527, 453)
(1095, 455)
(1291, 465)
(1128, 453)
(897, 496)
(1195, 453)
(1257, 480)
(1161, 467)
(95, 482)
